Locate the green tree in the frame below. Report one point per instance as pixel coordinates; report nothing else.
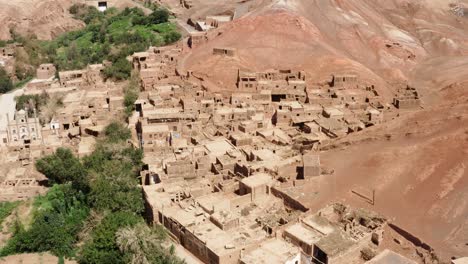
(159, 16)
(144, 245)
(63, 167)
(102, 247)
(6, 84)
(56, 223)
(172, 37)
(116, 189)
(116, 132)
(119, 70)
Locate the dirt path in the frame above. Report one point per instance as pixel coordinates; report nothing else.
(7, 106)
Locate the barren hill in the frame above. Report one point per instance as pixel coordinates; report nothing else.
(377, 39)
(44, 18)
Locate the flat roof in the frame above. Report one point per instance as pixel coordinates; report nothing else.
(219, 147)
(320, 224)
(335, 243)
(390, 257)
(311, 159)
(155, 128)
(257, 180)
(271, 251)
(333, 111)
(304, 234)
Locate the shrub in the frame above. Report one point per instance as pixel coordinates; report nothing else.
(102, 247)
(158, 16)
(6, 84)
(172, 37)
(63, 167)
(55, 225)
(120, 70)
(6, 208)
(116, 188)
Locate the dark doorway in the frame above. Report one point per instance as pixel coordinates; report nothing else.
(278, 97)
(102, 6)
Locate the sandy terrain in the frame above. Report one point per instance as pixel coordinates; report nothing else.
(32, 258)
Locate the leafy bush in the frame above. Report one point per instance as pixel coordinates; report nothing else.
(6, 84)
(158, 16)
(31, 101)
(116, 132)
(116, 188)
(120, 70)
(55, 225)
(6, 208)
(102, 247)
(144, 244)
(63, 167)
(172, 37)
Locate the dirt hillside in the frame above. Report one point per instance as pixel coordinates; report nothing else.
(44, 18)
(379, 40)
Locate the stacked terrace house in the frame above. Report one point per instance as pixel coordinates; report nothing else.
(224, 171)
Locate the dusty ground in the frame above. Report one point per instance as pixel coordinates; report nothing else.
(8, 103)
(32, 258)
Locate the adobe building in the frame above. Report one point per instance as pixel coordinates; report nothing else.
(407, 98)
(101, 5)
(228, 52)
(336, 233)
(344, 81)
(284, 85)
(388, 256)
(186, 3)
(45, 71)
(273, 251)
(462, 260)
(311, 165)
(8, 51)
(196, 39)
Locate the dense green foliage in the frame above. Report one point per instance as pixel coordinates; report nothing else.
(104, 182)
(131, 92)
(112, 36)
(6, 84)
(102, 248)
(116, 132)
(109, 35)
(113, 168)
(58, 219)
(63, 167)
(143, 244)
(6, 208)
